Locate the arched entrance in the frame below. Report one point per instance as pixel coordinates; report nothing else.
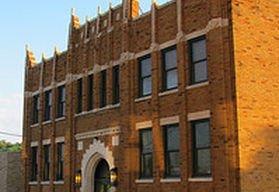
(96, 163)
(102, 177)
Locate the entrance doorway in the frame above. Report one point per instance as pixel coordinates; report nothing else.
(102, 177)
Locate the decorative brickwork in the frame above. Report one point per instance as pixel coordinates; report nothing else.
(238, 99)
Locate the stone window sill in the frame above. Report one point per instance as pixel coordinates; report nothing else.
(60, 119)
(47, 122)
(144, 181)
(200, 179)
(98, 109)
(170, 180)
(45, 183)
(168, 92)
(34, 125)
(143, 98)
(197, 85)
(58, 182)
(33, 183)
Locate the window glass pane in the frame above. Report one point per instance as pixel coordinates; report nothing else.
(202, 134)
(171, 79)
(146, 167)
(172, 138)
(203, 166)
(173, 166)
(170, 59)
(199, 50)
(146, 67)
(200, 70)
(146, 86)
(146, 141)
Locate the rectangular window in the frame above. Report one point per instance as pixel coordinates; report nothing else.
(172, 157)
(61, 101)
(145, 79)
(36, 107)
(170, 78)
(198, 59)
(90, 94)
(46, 162)
(103, 89)
(115, 85)
(60, 162)
(48, 102)
(79, 96)
(146, 154)
(34, 164)
(201, 148)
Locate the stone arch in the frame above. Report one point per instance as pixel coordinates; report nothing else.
(90, 160)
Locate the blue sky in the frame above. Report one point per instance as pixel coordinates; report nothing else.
(42, 25)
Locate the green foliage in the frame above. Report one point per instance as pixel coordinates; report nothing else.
(9, 147)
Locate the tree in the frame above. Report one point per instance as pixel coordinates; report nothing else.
(9, 147)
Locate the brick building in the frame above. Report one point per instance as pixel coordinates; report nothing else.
(181, 98)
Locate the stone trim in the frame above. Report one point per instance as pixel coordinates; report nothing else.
(58, 182)
(169, 120)
(170, 180)
(34, 144)
(144, 181)
(45, 182)
(144, 125)
(46, 122)
(60, 119)
(97, 110)
(33, 182)
(46, 142)
(100, 132)
(168, 92)
(189, 87)
(97, 151)
(209, 179)
(126, 56)
(143, 98)
(59, 139)
(199, 115)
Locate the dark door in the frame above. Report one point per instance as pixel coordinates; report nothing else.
(102, 177)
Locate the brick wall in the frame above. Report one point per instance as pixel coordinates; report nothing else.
(256, 45)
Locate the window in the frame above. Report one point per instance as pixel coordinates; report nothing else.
(34, 165)
(36, 107)
(90, 95)
(171, 139)
(198, 58)
(48, 101)
(146, 157)
(170, 79)
(115, 85)
(79, 96)
(103, 89)
(145, 79)
(46, 162)
(61, 104)
(201, 148)
(60, 162)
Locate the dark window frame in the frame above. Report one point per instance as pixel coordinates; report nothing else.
(143, 154)
(48, 105)
(79, 95)
(195, 150)
(90, 92)
(166, 71)
(103, 89)
(167, 173)
(35, 109)
(141, 78)
(61, 102)
(60, 162)
(192, 63)
(34, 163)
(47, 155)
(115, 84)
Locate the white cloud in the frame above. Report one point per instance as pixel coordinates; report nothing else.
(11, 107)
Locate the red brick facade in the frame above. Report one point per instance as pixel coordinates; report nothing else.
(121, 36)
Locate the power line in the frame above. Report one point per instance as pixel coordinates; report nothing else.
(10, 134)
